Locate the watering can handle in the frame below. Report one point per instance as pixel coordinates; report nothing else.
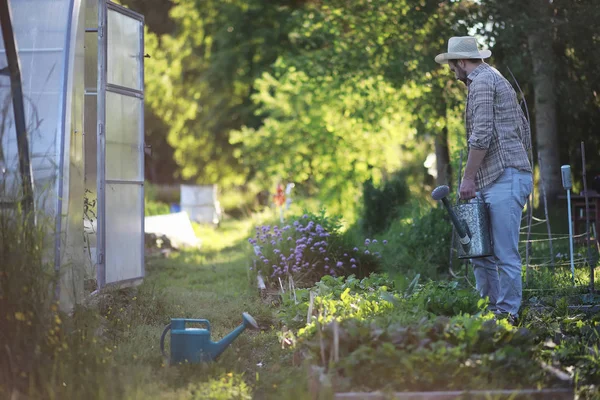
(162, 340)
(201, 321)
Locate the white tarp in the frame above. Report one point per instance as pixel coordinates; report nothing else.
(177, 227)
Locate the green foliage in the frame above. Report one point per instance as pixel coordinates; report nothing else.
(325, 135)
(200, 77)
(46, 353)
(449, 299)
(155, 208)
(419, 244)
(394, 336)
(228, 387)
(382, 205)
(337, 298)
(457, 353)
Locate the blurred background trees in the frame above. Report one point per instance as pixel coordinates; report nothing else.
(331, 94)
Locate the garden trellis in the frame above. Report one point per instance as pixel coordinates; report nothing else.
(81, 65)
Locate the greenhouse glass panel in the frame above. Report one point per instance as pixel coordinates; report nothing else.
(124, 48)
(91, 61)
(124, 259)
(41, 33)
(124, 146)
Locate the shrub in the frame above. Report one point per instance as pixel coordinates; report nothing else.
(382, 205)
(45, 353)
(420, 245)
(309, 248)
(155, 208)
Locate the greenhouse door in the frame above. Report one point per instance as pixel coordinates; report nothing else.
(120, 141)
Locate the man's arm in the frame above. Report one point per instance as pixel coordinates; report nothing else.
(467, 186)
(483, 127)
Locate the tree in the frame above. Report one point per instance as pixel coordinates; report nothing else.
(326, 135)
(201, 77)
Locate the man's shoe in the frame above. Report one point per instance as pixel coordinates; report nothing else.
(511, 319)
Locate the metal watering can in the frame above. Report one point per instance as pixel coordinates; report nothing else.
(472, 224)
(193, 345)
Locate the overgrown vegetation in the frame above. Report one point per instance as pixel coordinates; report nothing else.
(381, 206)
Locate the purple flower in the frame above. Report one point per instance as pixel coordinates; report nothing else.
(339, 264)
(289, 238)
(367, 242)
(355, 249)
(352, 260)
(326, 258)
(353, 265)
(385, 242)
(345, 254)
(367, 252)
(374, 240)
(305, 216)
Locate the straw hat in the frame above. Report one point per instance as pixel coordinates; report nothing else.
(461, 47)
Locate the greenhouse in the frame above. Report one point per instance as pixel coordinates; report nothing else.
(81, 65)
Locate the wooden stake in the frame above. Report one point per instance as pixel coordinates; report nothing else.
(310, 307)
(336, 341)
(528, 243)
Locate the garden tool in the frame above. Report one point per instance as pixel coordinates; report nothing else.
(193, 345)
(472, 224)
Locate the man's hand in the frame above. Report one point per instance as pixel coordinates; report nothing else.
(467, 189)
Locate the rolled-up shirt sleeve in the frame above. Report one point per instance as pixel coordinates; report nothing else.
(482, 108)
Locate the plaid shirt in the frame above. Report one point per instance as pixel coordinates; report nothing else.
(496, 123)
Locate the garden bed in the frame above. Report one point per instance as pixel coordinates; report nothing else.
(380, 338)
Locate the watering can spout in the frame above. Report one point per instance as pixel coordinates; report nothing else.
(220, 346)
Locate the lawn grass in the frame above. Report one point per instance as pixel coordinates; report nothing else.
(210, 283)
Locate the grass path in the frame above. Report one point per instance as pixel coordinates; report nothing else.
(212, 283)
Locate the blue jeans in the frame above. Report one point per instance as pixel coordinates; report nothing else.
(499, 276)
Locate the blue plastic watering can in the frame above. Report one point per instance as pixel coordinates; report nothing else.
(193, 345)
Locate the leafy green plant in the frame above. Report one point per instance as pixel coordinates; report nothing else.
(419, 244)
(442, 353)
(155, 208)
(447, 298)
(382, 205)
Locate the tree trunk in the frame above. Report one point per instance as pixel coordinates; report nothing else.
(442, 159)
(544, 61)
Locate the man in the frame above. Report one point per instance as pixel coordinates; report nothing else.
(498, 170)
